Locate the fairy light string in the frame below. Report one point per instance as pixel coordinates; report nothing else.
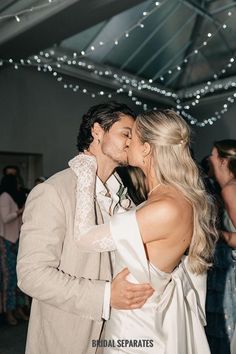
(127, 84)
(18, 16)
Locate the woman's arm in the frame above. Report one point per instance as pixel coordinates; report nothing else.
(230, 238)
(229, 197)
(5, 209)
(89, 236)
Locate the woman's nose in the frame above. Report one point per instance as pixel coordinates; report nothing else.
(128, 141)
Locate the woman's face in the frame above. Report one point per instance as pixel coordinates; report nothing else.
(136, 149)
(216, 163)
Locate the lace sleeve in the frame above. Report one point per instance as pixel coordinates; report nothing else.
(89, 236)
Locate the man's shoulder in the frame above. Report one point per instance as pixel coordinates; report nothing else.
(62, 182)
(63, 176)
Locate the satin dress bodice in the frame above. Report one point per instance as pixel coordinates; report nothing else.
(173, 318)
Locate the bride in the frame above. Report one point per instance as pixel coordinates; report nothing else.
(167, 241)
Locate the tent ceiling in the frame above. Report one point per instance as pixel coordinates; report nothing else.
(170, 34)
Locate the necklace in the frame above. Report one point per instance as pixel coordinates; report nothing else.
(153, 189)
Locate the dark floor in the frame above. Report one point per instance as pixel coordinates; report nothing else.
(12, 338)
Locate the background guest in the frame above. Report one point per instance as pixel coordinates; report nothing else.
(39, 180)
(12, 299)
(221, 299)
(22, 191)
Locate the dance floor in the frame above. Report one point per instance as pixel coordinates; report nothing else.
(12, 338)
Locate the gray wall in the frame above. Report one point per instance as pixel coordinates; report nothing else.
(225, 128)
(39, 116)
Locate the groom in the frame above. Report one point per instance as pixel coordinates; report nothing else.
(73, 291)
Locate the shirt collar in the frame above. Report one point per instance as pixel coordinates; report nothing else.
(113, 185)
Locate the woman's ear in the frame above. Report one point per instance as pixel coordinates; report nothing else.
(223, 162)
(147, 149)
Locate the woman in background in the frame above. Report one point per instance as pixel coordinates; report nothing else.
(221, 304)
(11, 208)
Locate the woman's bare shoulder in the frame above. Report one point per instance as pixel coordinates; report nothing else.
(158, 219)
(230, 185)
(229, 190)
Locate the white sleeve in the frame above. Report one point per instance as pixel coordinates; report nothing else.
(96, 238)
(89, 236)
(107, 301)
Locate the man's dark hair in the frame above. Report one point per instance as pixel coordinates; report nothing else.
(106, 115)
(11, 167)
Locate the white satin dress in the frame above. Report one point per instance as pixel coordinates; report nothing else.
(172, 320)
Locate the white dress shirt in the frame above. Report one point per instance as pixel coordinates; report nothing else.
(108, 200)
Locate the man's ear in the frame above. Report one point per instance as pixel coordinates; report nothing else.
(97, 132)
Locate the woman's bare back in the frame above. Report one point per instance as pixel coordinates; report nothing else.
(166, 226)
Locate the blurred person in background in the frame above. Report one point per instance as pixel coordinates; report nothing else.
(39, 180)
(22, 190)
(12, 299)
(221, 303)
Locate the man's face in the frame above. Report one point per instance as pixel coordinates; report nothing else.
(115, 142)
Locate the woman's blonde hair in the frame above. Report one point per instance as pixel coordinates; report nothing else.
(138, 180)
(169, 137)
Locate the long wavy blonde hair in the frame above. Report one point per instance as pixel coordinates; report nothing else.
(169, 137)
(138, 180)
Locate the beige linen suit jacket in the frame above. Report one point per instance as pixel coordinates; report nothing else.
(67, 286)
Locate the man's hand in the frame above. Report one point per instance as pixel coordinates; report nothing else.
(126, 295)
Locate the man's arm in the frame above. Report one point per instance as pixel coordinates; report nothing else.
(39, 255)
(41, 243)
